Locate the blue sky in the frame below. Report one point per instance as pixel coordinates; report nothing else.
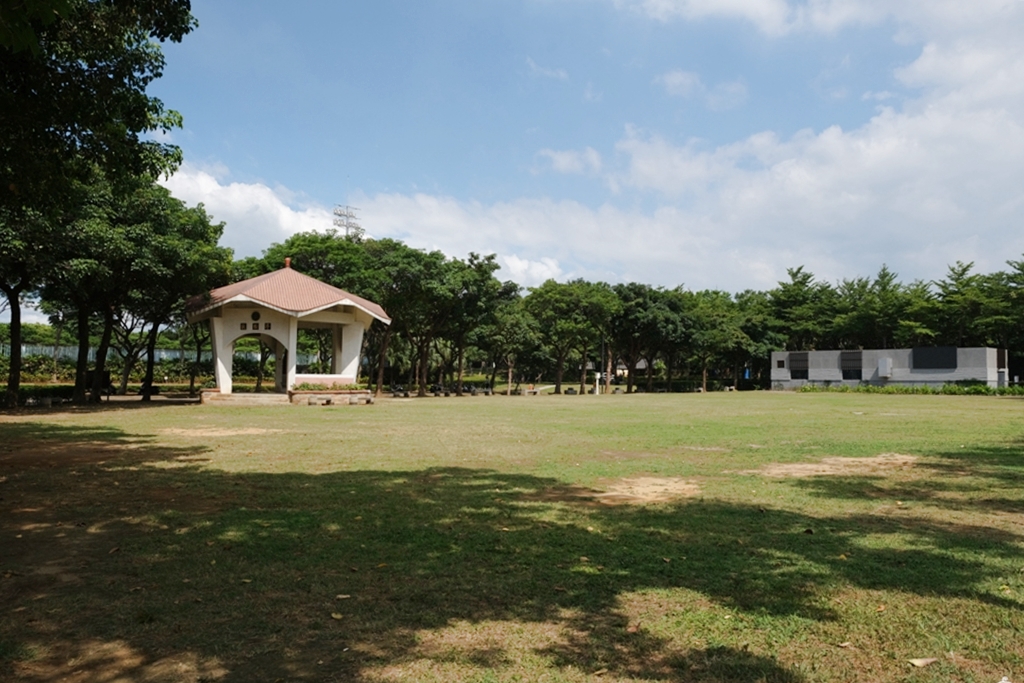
(710, 143)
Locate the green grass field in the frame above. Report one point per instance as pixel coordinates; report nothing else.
(719, 537)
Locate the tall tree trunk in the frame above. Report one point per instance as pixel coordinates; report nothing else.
(608, 371)
(13, 295)
(650, 374)
(462, 359)
(381, 359)
(82, 365)
(704, 377)
(558, 373)
(126, 373)
(670, 362)
(494, 374)
(147, 382)
(58, 333)
(630, 375)
(101, 356)
(508, 387)
(583, 372)
(424, 353)
(195, 369)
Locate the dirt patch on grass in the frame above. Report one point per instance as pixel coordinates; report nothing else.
(115, 661)
(630, 491)
(213, 432)
(29, 454)
(641, 490)
(837, 467)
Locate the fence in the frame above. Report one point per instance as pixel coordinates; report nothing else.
(71, 353)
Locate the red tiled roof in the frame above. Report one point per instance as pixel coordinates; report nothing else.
(288, 291)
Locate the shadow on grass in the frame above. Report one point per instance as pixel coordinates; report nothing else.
(969, 479)
(244, 571)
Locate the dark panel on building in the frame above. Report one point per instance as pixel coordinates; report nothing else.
(851, 360)
(852, 364)
(798, 365)
(1000, 359)
(934, 358)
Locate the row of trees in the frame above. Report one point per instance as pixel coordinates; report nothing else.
(128, 262)
(449, 312)
(121, 262)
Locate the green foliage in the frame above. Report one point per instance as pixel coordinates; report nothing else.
(314, 386)
(77, 96)
(962, 388)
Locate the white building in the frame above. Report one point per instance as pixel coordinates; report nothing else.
(930, 366)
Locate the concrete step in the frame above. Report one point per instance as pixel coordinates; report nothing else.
(214, 397)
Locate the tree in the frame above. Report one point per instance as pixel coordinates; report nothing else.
(717, 331)
(73, 79)
(805, 310)
(25, 257)
(475, 295)
(181, 259)
(511, 334)
(76, 98)
(326, 256)
(634, 325)
(674, 323)
(20, 22)
(597, 304)
(392, 278)
(763, 330)
(560, 311)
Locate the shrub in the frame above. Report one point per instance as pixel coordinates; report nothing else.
(962, 388)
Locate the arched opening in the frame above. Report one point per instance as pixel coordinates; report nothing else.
(256, 361)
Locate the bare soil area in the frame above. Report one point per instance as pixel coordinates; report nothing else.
(643, 490)
(834, 466)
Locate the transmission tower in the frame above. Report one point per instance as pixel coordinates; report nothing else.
(345, 217)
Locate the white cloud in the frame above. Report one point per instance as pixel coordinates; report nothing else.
(546, 72)
(779, 17)
(721, 97)
(255, 214)
(727, 96)
(530, 273)
(680, 83)
(880, 96)
(573, 161)
(771, 16)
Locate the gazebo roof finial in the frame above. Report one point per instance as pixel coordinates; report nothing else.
(287, 261)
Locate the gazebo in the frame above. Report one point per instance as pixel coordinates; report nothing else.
(274, 307)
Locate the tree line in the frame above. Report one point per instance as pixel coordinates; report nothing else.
(126, 261)
(451, 313)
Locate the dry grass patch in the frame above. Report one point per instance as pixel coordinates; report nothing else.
(115, 662)
(643, 490)
(884, 463)
(213, 432)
